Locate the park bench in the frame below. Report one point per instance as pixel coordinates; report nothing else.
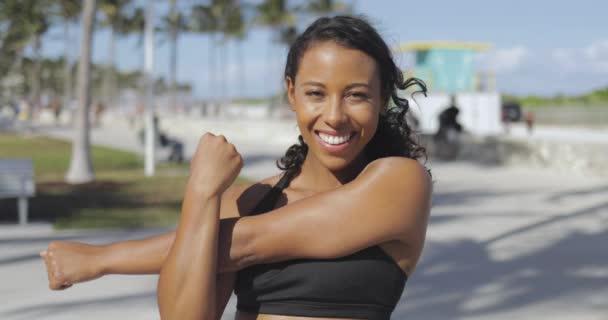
(17, 181)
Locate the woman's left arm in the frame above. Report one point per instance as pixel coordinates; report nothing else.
(187, 284)
(389, 200)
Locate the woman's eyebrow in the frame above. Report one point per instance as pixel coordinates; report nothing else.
(313, 83)
(357, 84)
(350, 86)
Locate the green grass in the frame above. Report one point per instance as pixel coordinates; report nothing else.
(120, 197)
(51, 157)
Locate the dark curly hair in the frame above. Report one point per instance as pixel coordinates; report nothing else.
(393, 137)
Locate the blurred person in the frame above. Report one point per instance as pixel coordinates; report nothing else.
(335, 235)
(510, 112)
(24, 109)
(163, 140)
(530, 119)
(55, 106)
(506, 122)
(98, 111)
(448, 119)
(447, 139)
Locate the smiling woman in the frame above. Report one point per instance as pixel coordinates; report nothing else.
(334, 237)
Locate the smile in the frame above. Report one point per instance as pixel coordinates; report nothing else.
(335, 143)
(334, 140)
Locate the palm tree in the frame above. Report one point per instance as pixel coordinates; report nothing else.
(69, 11)
(29, 21)
(323, 7)
(116, 21)
(81, 169)
(275, 15)
(203, 21)
(228, 15)
(39, 24)
(236, 28)
(173, 25)
(14, 39)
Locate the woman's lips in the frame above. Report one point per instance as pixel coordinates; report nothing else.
(333, 142)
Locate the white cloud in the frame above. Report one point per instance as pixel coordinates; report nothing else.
(503, 60)
(592, 58)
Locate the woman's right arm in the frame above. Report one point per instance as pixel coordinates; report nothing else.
(74, 262)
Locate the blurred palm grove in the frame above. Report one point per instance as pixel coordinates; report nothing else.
(24, 72)
(69, 192)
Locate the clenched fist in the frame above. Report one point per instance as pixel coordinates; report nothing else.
(215, 165)
(68, 263)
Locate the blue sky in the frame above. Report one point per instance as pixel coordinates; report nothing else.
(542, 47)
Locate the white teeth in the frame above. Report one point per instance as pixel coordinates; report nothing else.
(334, 139)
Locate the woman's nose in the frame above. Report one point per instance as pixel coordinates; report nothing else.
(335, 115)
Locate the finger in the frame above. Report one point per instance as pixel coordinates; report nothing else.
(55, 277)
(43, 253)
(52, 272)
(65, 286)
(49, 271)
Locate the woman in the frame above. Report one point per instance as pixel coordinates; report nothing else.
(337, 234)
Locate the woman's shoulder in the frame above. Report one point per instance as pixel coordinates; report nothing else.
(397, 167)
(240, 198)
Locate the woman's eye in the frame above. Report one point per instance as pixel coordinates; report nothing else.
(359, 95)
(314, 93)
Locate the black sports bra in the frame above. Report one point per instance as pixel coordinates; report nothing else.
(363, 285)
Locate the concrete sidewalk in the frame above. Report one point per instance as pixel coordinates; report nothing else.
(503, 243)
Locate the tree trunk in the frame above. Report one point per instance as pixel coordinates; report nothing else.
(212, 73)
(222, 68)
(243, 71)
(34, 104)
(173, 75)
(67, 70)
(81, 169)
(269, 69)
(108, 76)
(150, 123)
(173, 34)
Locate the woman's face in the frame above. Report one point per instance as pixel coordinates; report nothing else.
(336, 97)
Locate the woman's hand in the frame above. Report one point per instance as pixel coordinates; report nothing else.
(68, 263)
(215, 165)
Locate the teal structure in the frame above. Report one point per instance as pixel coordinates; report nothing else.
(445, 66)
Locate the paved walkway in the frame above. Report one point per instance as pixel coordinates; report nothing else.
(503, 243)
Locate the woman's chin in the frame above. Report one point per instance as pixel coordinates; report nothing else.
(336, 164)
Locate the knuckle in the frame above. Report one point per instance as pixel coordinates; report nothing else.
(206, 136)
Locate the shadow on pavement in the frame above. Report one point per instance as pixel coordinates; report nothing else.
(39, 311)
(461, 278)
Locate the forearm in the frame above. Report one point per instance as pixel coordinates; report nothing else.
(187, 283)
(144, 256)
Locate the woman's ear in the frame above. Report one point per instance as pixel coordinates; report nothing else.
(289, 83)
